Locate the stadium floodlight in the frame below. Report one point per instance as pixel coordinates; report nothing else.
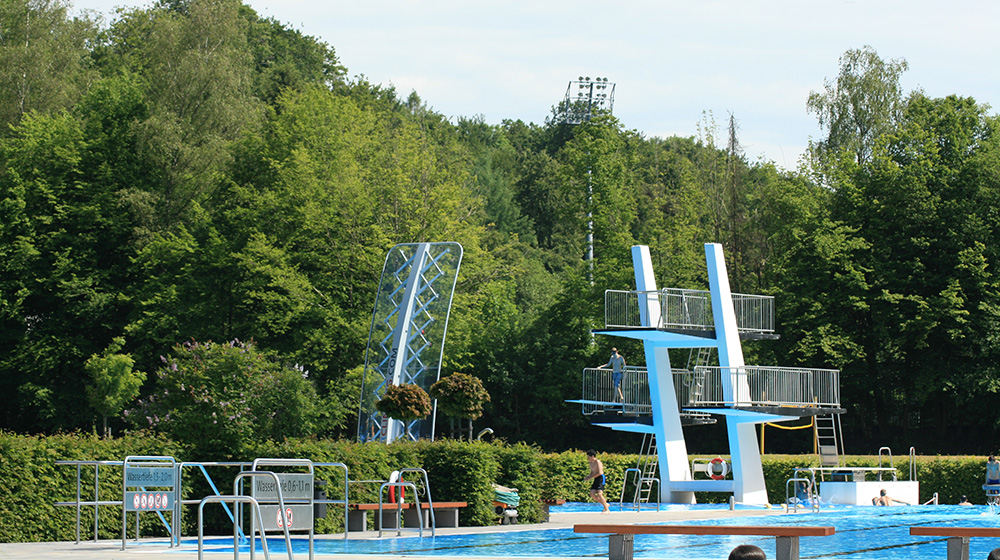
(593, 96)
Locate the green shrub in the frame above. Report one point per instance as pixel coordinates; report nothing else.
(404, 402)
(520, 467)
(951, 478)
(222, 399)
(31, 483)
(463, 471)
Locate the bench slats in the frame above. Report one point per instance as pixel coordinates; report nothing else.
(409, 505)
(772, 531)
(955, 531)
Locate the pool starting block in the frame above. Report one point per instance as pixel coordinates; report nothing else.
(992, 494)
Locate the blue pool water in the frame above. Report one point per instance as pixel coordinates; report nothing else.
(862, 533)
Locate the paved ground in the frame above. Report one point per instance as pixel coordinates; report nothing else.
(158, 548)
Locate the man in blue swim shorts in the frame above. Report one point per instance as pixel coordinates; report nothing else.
(597, 475)
(617, 365)
(992, 471)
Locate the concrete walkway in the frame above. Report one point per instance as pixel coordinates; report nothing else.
(148, 549)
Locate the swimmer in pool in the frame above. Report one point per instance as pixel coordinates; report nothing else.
(884, 499)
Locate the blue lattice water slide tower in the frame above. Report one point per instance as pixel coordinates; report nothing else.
(661, 398)
(406, 341)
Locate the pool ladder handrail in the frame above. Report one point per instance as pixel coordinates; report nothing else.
(255, 515)
(427, 489)
(238, 484)
(640, 480)
(812, 496)
(399, 488)
(891, 466)
(237, 530)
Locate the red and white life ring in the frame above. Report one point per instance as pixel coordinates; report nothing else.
(723, 468)
(393, 478)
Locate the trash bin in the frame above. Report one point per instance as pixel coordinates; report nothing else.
(319, 493)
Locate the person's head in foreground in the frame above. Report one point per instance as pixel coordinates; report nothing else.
(994, 554)
(751, 552)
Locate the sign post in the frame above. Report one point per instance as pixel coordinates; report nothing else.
(297, 495)
(149, 483)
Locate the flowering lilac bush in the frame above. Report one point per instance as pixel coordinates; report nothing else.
(222, 398)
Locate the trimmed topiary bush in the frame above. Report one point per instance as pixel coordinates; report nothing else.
(405, 402)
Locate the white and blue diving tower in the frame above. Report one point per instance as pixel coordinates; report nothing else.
(660, 399)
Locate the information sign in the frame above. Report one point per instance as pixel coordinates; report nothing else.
(148, 501)
(299, 517)
(148, 477)
(294, 486)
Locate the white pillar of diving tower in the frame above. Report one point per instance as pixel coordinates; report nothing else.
(670, 445)
(748, 473)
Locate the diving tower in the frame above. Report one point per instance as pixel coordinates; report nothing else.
(661, 399)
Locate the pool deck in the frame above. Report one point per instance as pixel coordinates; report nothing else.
(149, 549)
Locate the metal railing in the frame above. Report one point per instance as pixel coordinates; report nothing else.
(598, 387)
(673, 308)
(713, 386)
(237, 532)
(640, 483)
(82, 500)
(767, 386)
(96, 502)
(284, 515)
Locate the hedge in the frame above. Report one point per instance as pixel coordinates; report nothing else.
(31, 482)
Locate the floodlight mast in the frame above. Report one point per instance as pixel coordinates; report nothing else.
(587, 98)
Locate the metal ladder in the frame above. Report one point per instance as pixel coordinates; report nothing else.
(649, 466)
(829, 440)
(697, 357)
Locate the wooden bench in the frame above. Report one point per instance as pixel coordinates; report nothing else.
(620, 537)
(546, 504)
(958, 537)
(445, 514)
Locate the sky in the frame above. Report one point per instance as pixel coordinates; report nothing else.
(672, 62)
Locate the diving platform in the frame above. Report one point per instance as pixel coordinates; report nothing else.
(780, 391)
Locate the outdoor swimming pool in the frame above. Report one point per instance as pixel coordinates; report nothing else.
(862, 533)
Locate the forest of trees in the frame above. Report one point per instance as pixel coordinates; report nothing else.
(190, 172)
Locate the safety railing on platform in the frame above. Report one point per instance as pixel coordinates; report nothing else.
(684, 310)
(598, 390)
(598, 386)
(767, 386)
